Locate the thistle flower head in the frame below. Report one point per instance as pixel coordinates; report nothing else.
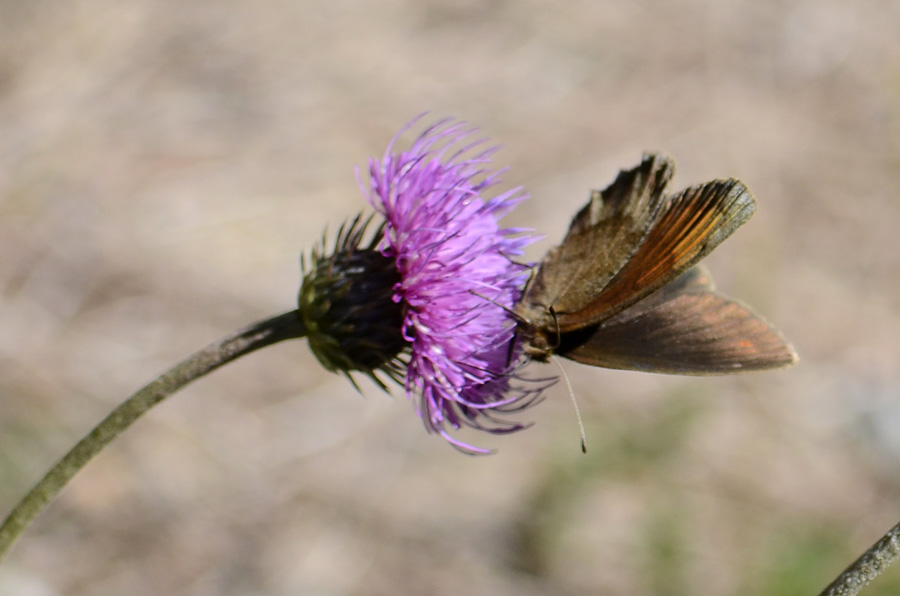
(457, 282)
(428, 300)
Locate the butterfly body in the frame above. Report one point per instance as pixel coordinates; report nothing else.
(623, 289)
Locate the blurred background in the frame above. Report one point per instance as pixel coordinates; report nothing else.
(163, 164)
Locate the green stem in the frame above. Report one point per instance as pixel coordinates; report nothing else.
(233, 346)
(868, 566)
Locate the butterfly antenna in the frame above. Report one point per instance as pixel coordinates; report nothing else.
(512, 313)
(574, 402)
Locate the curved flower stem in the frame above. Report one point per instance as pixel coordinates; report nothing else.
(868, 566)
(233, 346)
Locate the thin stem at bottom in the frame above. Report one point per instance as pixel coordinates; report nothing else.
(867, 567)
(231, 347)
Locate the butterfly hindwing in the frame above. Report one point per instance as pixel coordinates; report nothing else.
(684, 328)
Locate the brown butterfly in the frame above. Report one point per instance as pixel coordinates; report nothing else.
(623, 289)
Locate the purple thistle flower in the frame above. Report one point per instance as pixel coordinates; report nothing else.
(458, 283)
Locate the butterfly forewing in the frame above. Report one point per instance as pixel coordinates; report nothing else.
(684, 328)
(691, 224)
(600, 241)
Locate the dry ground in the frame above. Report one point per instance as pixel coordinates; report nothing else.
(163, 163)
